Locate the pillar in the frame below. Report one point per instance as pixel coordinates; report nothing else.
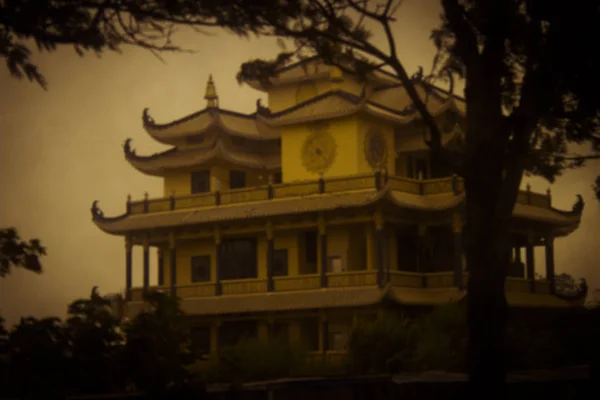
(550, 262)
(173, 264)
(529, 255)
(218, 238)
(270, 253)
(128, 267)
(380, 248)
(421, 256)
(161, 267)
(146, 263)
(323, 248)
(371, 250)
(458, 249)
(214, 339)
(324, 330)
(270, 329)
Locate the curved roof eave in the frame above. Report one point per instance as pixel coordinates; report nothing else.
(292, 206)
(171, 133)
(218, 152)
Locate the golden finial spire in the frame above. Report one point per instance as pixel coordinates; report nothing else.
(212, 100)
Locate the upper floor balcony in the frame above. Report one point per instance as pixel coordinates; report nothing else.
(268, 192)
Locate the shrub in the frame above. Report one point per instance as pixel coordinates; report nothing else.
(253, 359)
(381, 345)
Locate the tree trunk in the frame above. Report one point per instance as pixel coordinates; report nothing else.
(487, 254)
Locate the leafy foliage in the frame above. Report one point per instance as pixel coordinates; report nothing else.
(95, 26)
(434, 341)
(255, 360)
(441, 339)
(15, 252)
(38, 351)
(381, 345)
(96, 342)
(158, 347)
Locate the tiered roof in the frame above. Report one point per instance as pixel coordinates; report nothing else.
(251, 140)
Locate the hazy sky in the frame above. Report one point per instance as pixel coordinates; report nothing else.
(62, 149)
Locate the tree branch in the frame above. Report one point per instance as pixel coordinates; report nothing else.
(466, 41)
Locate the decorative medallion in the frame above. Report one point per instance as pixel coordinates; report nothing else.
(318, 152)
(376, 151)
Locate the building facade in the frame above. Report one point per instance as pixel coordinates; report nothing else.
(291, 221)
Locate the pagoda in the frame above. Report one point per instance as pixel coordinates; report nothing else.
(326, 205)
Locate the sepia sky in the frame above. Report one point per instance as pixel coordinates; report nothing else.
(62, 149)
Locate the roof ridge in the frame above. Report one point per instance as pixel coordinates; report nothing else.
(337, 92)
(149, 121)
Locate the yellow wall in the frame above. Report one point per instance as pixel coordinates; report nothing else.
(343, 130)
(281, 98)
(178, 182)
(185, 251)
(219, 177)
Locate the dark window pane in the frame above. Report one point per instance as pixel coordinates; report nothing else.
(406, 242)
(281, 332)
(237, 179)
(238, 259)
(200, 181)
(231, 332)
(309, 330)
(311, 247)
(277, 177)
(200, 336)
(410, 170)
(280, 262)
(201, 269)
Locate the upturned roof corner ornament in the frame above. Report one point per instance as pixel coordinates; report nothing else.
(210, 95)
(148, 120)
(96, 211)
(579, 205)
(127, 148)
(418, 76)
(262, 110)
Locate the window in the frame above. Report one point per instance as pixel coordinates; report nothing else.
(277, 177)
(421, 170)
(280, 331)
(238, 259)
(280, 262)
(200, 337)
(337, 336)
(200, 181)
(200, 269)
(237, 179)
(232, 332)
(336, 264)
(311, 247)
(410, 170)
(309, 331)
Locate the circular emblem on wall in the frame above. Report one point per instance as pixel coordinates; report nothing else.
(318, 152)
(376, 151)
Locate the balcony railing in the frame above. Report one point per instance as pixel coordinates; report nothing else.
(363, 278)
(316, 187)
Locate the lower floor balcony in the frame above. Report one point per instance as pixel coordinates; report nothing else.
(355, 279)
